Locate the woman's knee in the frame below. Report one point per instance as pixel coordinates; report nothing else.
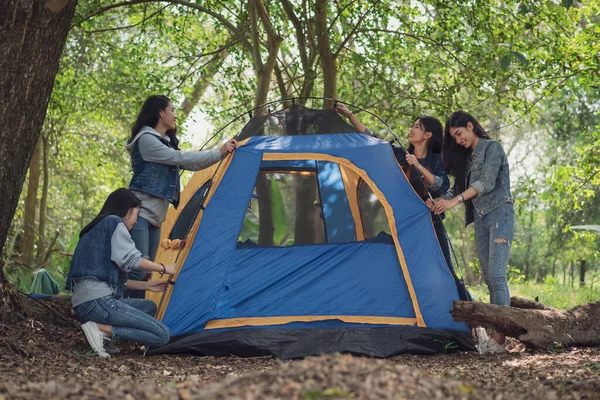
(163, 334)
(149, 307)
(496, 282)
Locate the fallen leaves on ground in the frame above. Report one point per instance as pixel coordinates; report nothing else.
(44, 356)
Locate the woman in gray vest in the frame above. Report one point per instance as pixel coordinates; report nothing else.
(102, 259)
(156, 161)
(481, 181)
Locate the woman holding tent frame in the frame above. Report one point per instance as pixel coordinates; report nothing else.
(156, 161)
(98, 276)
(482, 181)
(422, 164)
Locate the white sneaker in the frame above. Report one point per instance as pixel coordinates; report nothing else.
(95, 338)
(491, 347)
(481, 335)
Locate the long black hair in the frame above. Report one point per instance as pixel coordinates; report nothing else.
(149, 116)
(433, 125)
(455, 156)
(118, 203)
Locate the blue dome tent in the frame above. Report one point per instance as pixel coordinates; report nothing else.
(308, 239)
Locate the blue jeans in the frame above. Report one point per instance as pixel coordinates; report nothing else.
(146, 238)
(494, 233)
(131, 319)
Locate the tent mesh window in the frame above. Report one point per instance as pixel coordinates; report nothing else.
(372, 213)
(190, 212)
(284, 210)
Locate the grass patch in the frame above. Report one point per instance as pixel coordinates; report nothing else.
(551, 294)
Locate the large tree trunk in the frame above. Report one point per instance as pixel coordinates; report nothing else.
(32, 37)
(31, 208)
(264, 73)
(266, 226)
(41, 247)
(533, 323)
(328, 59)
(582, 268)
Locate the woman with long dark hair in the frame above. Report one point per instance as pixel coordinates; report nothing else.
(422, 164)
(481, 181)
(156, 162)
(98, 276)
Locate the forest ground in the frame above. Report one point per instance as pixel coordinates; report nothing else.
(45, 356)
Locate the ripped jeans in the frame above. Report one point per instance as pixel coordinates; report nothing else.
(494, 234)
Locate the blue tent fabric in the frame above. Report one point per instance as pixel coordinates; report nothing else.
(222, 280)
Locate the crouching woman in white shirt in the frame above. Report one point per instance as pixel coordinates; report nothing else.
(104, 256)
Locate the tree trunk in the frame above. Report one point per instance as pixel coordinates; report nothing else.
(328, 60)
(202, 83)
(266, 226)
(32, 36)
(582, 268)
(31, 207)
(41, 247)
(545, 327)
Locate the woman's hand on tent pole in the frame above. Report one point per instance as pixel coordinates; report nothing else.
(156, 286)
(229, 147)
(342, 110)
(443, 205)
(345, 112)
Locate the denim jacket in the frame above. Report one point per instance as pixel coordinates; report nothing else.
(488, 174)
(92, 257)
(158, 180)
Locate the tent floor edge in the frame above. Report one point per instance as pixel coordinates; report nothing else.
(291, 343)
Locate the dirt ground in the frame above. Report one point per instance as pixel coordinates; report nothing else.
(46, 356)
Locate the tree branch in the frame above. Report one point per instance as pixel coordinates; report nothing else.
(347, 38)
(258, 64)
(300, 36)
(263, 14)
(129, 26)
(195, 6)
(535, 102)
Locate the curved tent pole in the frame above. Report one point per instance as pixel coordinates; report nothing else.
(292, 99)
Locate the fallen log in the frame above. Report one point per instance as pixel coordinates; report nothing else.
(533, 325)
(521, 302)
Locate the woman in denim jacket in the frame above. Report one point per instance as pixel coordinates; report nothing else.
(156, 161)
(480, 168)
(422, 164)
(98, 275)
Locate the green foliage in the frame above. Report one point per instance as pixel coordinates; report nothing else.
(521, 67)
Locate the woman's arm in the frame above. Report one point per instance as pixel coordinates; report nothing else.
(154, 150)
(147, 265)
(489, 173)
(428, 177)
(153, 286)
(494, 158)
(345, 112)
(442, 205)
(127, 257)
